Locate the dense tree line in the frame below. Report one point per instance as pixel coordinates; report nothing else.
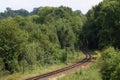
(21, 12)
(44, 35)
(103, 25)
(39, 39)
(101, 30)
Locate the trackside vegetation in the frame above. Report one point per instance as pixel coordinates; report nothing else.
(88, 73)
(102, 31)
(47, 38)
(54, 35)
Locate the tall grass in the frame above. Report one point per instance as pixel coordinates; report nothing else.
(36, 70)
(91, 72)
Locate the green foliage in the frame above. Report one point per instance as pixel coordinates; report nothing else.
(11, 40)
(38, 40)
(102, 26)
(12, 13)
(91, 73)
(110, 67)
(109, 22)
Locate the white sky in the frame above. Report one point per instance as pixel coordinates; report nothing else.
(83, 5)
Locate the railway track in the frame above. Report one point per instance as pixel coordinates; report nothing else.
(86, 59)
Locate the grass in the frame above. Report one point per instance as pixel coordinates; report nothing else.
(88, 73)
(91, 73)
(42, 69)
(21, 76)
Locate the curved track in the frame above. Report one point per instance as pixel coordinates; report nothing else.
(86, 59)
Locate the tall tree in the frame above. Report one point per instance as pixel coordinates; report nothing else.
(11, 39)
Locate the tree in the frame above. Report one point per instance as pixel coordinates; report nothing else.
(12, 13)
(108, 19)
(110, 66)
(102, 26)
(11, 39)
(40, 39)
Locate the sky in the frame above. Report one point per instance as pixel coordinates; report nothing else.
(82, 5)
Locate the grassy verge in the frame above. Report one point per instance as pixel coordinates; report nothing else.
(88, 73)
(42, 69)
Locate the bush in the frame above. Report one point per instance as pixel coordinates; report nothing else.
(110, 67)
